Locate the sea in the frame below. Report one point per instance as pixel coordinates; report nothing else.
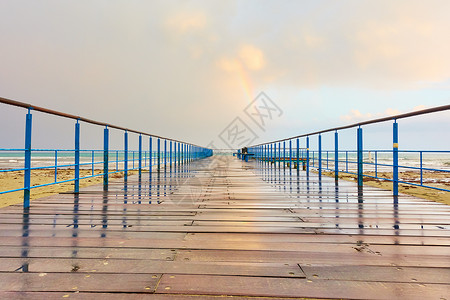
(11, 160)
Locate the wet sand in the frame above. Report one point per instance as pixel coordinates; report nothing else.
(14, 180)
(435, 179)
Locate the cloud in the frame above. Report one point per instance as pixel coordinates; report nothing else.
(252, 57)
(191, 63)
(248, 57)
(356, 116)
(186, 22)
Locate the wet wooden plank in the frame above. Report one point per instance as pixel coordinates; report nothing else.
(72, 282)
(313, 238)
(86, 252)
(312, 258)
(114, 296)
(243, 233)
(144, 266)
(284, 287)
(379, 274)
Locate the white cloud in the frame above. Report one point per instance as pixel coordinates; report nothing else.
(356, 116)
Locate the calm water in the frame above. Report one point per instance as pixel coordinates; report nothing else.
(15, 159)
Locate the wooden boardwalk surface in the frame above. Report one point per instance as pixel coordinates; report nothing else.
(224, 228)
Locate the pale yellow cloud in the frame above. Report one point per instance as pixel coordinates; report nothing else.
(248, 57)
(252, 57)
(356, 116)
(313, 40)
(229, 64)
(185, 22)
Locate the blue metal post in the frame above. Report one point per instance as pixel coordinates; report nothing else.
(170, 156)
(56, 165)
(346, 161)
(275, 155)
(27, 179)
(117, 160)
(307, 156)
(279, 155)
(140, 155)
(179, 156)
(376, 164)
(290, 155)
(105, 157)
(395, 158)
(77, 157)
(165, 155)
(159, 155)
(175, 155)
(125, 172)
(421, 170)
(360, 156)
(320, 156)
(336, 156)
(298, 156)
(150, 146)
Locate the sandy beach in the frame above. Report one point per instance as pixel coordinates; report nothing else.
(436, 179)
(14, 180)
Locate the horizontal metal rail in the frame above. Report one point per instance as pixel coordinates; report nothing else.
(282, 152)
(74, 117)
(168, 154)
(379, 120)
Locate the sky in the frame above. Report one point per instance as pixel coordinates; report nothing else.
(188, 69)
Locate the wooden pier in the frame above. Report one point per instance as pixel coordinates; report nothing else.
(221, 227)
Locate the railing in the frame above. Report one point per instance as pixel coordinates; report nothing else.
(359, 162)
(170, 153)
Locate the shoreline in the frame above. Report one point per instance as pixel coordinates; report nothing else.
(416, 191)
(14, 180)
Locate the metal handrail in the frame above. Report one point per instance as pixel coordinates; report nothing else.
(379, 120)
(70, 116)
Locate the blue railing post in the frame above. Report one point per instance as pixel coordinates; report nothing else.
(56, 166)
(320, 156)
(150, 161)
(125, 170)
(27, 178)
(179, 156)
(279, 155)
(346, 161)
(421, 168)
(140, 155)
(170, 156)
(290, 155)
(271, 152)
(158, 154)
(165, 155)
(395, 158)
(336, 156)
(105, 157)
(175, 155)
(275, 155)
(307, 156)
(298, 156)
(77, 157)
(376, 163)
(360, 156)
